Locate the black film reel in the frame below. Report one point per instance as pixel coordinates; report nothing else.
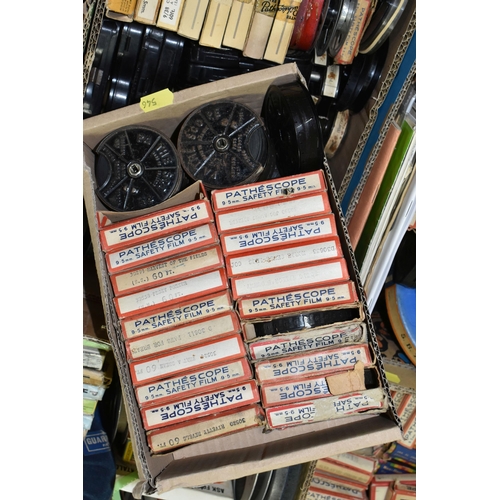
(290, 116)
(342, 27)
(327, 25)
(224, 144)
(136, 167)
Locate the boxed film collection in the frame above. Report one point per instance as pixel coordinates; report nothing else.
(240, 330)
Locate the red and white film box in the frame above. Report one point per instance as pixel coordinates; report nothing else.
(183, 336)
(178, 243)
(277, 235)
(172, 364)
(284, 257)
(273, 212)
(194, 382)
(201, 405)
(148, 227)
(327, 408)
(338, 485)
(359, 468)
(166, 316)
(320, 362)
(307, 340)
(307, 298)
(203, 428)
(316, 274)
(171, 293)
(314, 493)
(258, 193)
(167, 270)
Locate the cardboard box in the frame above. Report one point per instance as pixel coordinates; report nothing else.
(250, 451)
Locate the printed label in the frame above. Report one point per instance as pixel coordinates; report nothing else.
(294, 390)
(332, 81)
(201, 405)
(173, 436)
(269, 305)
(298, 277)
(183, 336)
(189, 359)
(285, 257)
(337, 485)
(316, 363)
(169, 14)
(316, 229)
(171, 293)
(273, 212)
(136, 230)
(170, 317)
(167, 270)
(323, 409)
(308, 340)
(186, 384)
(262, 192)
(177, 243)
(366, 464)
(318, 494)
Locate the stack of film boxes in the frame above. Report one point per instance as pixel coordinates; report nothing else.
(182, 337)
(301, 319)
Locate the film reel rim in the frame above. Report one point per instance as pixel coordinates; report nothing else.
(134, 169)
(342, 27)
(327, 25)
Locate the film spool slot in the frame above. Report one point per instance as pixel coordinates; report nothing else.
(327, 25)
(224, 144)
(313, 319)
(344, 23)
(136, 168)
(290, 116)
(383, 21)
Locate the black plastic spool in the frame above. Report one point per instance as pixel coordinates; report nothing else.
(342, 27)
(327, 25)
(290, 117)
(136, 168)
(224, 144)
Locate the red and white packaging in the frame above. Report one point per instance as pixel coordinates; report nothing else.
(154, 225)
(161, 248)
(167, 270)
(258, 238)
(172, 364)
(273, 212)
(184, 336)
(296, 278)
(321, 362)
(258, 193)
(337, 485)
(285, 257)
(194, 382)
(200, 429)
(171, 293)
(268, 305)
(170, 316)
(200, 405)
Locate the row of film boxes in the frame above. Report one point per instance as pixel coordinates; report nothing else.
(182, 337)
(300, 314)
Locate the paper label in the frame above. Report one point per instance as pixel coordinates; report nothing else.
(160, 248)
(238, 23)
(171, 293)
(317, 494)
(283, 345)
(320, 362)
(289, 279)
(193, 16)
(189, 359)
(186, 384)
(290, 256)
(366, 464)
(279, 235)
(294, 390)
(281, 303)
(169, 15)
(198, 331)
(171, 220)
(174, 436)
(262, 192)
(273, 212)
(146, 10)
(201, 405)
(333, 486)
(168, 270)
(331, 85)
(169, 317)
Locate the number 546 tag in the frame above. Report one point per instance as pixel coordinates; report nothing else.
(156, 100)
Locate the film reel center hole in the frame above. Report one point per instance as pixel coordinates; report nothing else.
(135, 169)
(222, 143)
